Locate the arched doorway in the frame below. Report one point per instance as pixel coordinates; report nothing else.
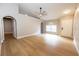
(9, 26)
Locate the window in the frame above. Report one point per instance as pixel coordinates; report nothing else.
(51, 28)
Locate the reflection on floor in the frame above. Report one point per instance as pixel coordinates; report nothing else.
(45, 44)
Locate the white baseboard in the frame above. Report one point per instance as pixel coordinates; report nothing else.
(76, 46)
(26, 36)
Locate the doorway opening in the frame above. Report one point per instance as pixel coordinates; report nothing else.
(9, 26)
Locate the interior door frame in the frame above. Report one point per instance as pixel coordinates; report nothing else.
(15, 28)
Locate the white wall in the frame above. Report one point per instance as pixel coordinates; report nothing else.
(8, 8)
(76, 29)
(26, 25)
(66, 24)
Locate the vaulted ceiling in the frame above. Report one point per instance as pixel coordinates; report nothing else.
(53, 10)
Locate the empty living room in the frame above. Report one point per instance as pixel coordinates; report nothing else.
(39, 29)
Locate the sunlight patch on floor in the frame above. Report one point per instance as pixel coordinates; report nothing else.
(51, 39)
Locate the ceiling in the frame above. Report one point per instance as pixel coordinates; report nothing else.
(53, 10)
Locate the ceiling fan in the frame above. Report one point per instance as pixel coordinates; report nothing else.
(41, 13)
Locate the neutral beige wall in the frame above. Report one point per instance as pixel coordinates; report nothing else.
(8, 27)
(66, 24)
(28, 25)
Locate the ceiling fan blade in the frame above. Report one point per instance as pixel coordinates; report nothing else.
(44, 13)
(35, 13)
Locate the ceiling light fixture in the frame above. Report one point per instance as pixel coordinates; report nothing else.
(42, 13)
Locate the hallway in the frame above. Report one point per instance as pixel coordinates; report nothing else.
(38, 45)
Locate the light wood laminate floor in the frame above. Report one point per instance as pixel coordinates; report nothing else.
(38, 45)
